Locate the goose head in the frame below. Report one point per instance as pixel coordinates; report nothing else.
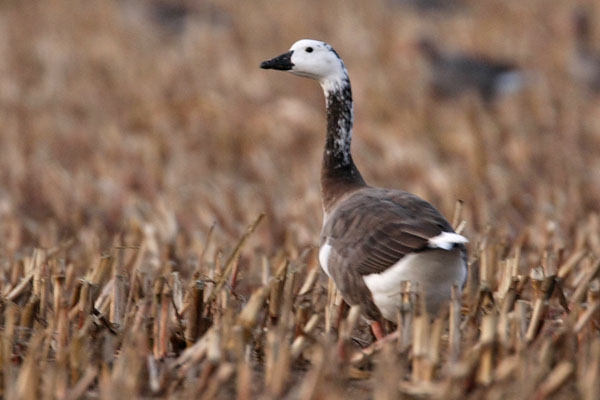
(311, 59)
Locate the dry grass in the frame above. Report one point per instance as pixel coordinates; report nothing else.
(159, 204)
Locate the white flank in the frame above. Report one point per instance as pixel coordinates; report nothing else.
(434, 271)
(446, 240)
(324, 257)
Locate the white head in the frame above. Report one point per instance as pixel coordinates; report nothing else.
(312, 59)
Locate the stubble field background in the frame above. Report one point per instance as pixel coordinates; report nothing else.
(160, 207)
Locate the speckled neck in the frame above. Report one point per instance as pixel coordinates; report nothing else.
(339, 174)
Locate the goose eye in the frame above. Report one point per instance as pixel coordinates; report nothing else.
(309, 49)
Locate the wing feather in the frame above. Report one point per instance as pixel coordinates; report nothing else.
(374, 228)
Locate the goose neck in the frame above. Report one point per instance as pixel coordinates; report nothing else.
(339, 173)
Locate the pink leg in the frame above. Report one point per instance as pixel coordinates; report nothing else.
(377, 330)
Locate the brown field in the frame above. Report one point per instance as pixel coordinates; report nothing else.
(160, 208)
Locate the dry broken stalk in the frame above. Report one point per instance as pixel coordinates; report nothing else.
(118, 299)
(29, 372)
(249, 316)
(302, 340)
(85, 304)
(166, 310)
(28, 316)
(194, 312)
(79, 389)
(567, 267)
(11, 317)
(457, 221)
(422, 338)
(229, 264)
(454, 334)
(277, 363)
(406, 316)
(62, 331)
(346, 327)
(508, 303)
(303, 313)
(221, 376)
(157, 290)
(286, 310)
(330, 306)
(589, 377)
(488, 337)
(310, 385)
(78, 352)
(102, 272)
(588, 315)
(435, 343)
(582, 288)
(310, 281)
(276, 292)
(177, 290)
(359, 357)
(555, 379)
(537, 277)
(535, 324)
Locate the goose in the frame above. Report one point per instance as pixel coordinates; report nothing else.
(372, 238)
(585, 63)
(453, 74)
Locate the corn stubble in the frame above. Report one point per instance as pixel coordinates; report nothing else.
(159, 207)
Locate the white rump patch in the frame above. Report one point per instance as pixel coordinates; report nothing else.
(446, 240)
(324, 257)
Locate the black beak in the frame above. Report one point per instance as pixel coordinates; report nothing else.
(281, 63)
